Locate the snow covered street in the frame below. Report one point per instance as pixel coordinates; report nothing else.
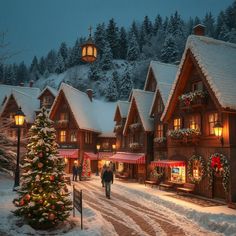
(132, 210)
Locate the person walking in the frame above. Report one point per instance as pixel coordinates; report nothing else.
(102, 172)
(108, 180)
(75, 171)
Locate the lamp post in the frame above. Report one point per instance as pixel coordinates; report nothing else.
(19, 121)
(89, 49)
(218, 128)
(98, 148)
(113, 147)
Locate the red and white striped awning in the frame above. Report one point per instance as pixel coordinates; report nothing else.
(168, 163)
(91, 155)
(68, 153)
(125, 157)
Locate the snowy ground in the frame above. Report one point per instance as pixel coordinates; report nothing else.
(132, 210)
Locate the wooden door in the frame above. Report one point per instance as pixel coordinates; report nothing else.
(218, 189)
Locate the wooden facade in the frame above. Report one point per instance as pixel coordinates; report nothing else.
(202, 113)
(71, 137)
(46, 98)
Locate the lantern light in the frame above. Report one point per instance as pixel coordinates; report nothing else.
(218, 127)
(19, 117)
(89, 50)
(113, 146)
(98, 146)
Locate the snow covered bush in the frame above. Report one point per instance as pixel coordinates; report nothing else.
(181, 133)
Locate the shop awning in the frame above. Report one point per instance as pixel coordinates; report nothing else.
(125, 157)
(100, 156)
(69, 153)
(168, 163)
(91, 155)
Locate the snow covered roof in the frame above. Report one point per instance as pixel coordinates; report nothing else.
(216, 60)
(123, 107)
(94, 116)
(52, 90)
(143, 101)
(6, 90)
(163, 72)
(27, 103)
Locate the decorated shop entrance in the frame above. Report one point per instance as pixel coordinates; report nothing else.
(70, 157)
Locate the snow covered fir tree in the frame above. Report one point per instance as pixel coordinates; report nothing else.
(43, 196)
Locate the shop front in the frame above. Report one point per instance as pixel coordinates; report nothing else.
(131, 165)
(174, 171)
(70, 157)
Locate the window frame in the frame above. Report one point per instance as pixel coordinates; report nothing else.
(62, 137)
(178, 125)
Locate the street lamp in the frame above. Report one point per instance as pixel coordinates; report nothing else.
(19, 121)
(89, 50)
(113, 147)
(218, 128)
(98, 148)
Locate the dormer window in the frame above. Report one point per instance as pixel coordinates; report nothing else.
(197, 86)
(194, 122)
(47, 100)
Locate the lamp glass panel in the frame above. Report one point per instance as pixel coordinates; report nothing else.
(19, 119)
(84, 51)
(89, 50)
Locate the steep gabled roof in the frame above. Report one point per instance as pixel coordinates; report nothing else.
(27, 103)
(123, 107)
(143, 100)
(53, 91)
(163, 72)
(216, 59)
(5, 91)
(94, 116)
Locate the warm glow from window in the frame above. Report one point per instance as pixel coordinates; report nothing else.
(98, 146)
(177, 123)
(62, 136)
(73, 136)
(212, 119)
(160, 131)
(63, 116)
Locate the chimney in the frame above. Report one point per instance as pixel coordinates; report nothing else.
(199, 29)
(31, 83)
(21, 84)
(90, 94)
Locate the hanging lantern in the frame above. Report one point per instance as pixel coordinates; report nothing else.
(89, 50)
(218, 127)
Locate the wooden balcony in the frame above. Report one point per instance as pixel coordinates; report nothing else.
(61, 123)
(135, 146)
(160, 143)
(135, 127)
(195, 102)
(187, 140)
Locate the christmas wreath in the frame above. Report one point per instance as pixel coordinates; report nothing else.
(188, 98)
(201, 162)
(218, 165)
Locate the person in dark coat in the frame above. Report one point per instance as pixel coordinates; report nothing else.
(108, 180)
(75, 171)
(102, 172)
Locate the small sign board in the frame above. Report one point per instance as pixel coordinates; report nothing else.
(77, 203)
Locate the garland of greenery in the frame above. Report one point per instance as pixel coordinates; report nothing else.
(190, 168)
(218, 164)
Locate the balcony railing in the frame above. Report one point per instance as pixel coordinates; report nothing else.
(118, 128)
(192, 99)
(135, 127)
(135, 146)
(62, 123)
(187, 136)
(160, 142)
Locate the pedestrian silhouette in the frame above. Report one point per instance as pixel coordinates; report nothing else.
(75, 171)
(108, 180)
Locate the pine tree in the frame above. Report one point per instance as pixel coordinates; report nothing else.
(42, 65)
(123, 43)
(43, 201)
(63, 50)
(95, 73)
(100, 37)
(59, 65)
(157, 24)
(111, 93)
(1, 73)
(22, 73)
(169, 52)
(126, 85)
(209, 23)
(106, 60)
(112, 38)
(50, 61)
(75, 55)
(133, 51)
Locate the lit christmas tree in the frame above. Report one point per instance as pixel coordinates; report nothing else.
(86, 170)
(43, 196)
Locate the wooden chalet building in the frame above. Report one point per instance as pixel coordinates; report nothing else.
(11, 99)
(202, 104)
(47, 97)
(81, 123)
(137, 136)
